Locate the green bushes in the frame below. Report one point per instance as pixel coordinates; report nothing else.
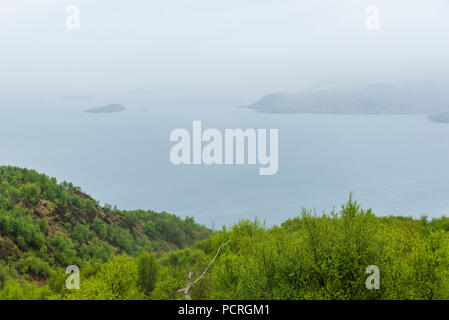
(3, 275)
(318, 257)
(148, 269)
(29, 264)
(116, 280)
(64, 252)
(22, 290)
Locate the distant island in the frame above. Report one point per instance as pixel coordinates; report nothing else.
(378, 98)
(109, 108)
(440, 117)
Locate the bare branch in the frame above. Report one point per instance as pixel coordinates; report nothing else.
(207, 268)
(190, 285)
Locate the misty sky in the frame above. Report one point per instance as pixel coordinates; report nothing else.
(216, 48)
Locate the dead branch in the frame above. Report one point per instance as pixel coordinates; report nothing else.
(190, 284)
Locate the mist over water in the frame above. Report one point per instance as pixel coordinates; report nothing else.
(395, 164)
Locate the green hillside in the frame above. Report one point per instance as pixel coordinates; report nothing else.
(46, 226)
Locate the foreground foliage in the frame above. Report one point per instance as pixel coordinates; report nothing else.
(131, 255)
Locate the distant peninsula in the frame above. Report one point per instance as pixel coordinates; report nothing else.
(440, 117)
(109, 108)
(377, 98)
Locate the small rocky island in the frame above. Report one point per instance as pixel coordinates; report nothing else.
(109, 108)
(439, 117)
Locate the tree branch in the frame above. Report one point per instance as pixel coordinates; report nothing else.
(190, 285)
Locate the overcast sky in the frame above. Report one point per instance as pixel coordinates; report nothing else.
(216, 48)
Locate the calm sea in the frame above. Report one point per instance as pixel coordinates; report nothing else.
(394, 164)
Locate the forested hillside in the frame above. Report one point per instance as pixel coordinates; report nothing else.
(46, 226)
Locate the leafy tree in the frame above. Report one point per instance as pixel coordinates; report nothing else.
(117, 280)
(148, 270)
